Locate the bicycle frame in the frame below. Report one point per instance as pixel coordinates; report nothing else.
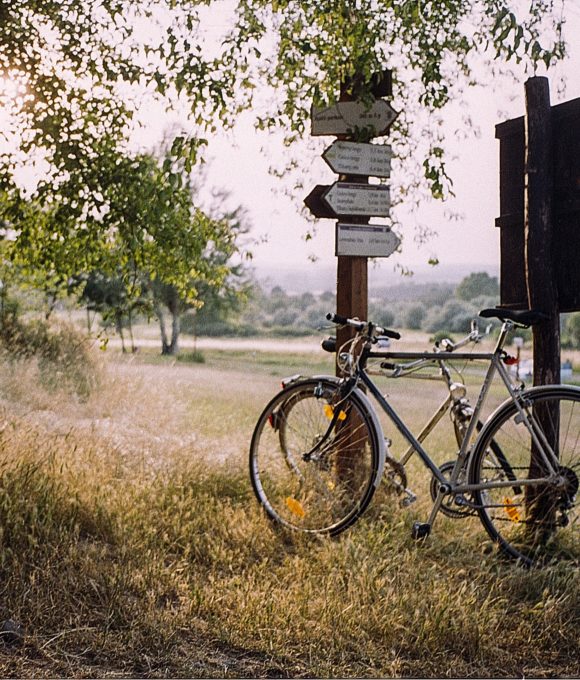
(496, 366)
(413, 370)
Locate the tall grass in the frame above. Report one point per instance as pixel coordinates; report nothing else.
(131, 545)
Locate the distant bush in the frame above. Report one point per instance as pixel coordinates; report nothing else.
(215, 329)
(414, 315)
(382, 316)
(191, 357)
(63, 353)
(289, 331)
(571, 331)
(455, 315)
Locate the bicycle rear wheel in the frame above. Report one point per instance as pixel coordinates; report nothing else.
(539, 522)
(316, 457)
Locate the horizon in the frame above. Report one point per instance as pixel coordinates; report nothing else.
(316, 277)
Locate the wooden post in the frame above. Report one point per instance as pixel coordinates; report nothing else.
(540, 278)
(351, 272)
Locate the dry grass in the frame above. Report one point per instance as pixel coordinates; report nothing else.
(132, 547)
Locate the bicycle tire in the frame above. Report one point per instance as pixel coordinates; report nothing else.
(328, 493)
(532, 523)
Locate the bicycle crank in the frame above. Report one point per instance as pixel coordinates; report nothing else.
(452, 506)
(397, 475)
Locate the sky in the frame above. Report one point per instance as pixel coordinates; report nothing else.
(238, 161)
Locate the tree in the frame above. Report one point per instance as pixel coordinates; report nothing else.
(220, 283)
(414, 316)
(64, 64)
(476, 285)
(151, 240)
(108, 296)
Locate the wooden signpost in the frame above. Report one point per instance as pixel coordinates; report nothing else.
(346, 118)
(347, 198)
(353, 158)
(358, 239)
(352, 199)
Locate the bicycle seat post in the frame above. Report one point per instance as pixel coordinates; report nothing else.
(506, 327)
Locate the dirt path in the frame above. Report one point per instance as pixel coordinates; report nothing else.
(293, 345)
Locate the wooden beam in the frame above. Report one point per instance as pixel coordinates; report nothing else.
(540, 266)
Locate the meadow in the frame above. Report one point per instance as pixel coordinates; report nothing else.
(132, 545)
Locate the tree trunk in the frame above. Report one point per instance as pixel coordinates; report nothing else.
(119, 328)
(170, 346)
(164, 339)
(51, 299)
(130, 324)
(175, 330)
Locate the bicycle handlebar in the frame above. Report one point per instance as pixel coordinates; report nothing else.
(361, 326)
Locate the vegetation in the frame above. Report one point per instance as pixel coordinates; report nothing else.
(71, 95)
(571, 330)
(430, 307)
(61, 354)
(155, 250)
(133, 546)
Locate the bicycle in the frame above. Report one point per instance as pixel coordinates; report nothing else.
(324, 478)
(456, 403)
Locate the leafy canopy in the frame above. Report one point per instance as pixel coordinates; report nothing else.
(75, 73)
(431, 47)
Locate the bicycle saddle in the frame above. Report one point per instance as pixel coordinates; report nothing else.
(523, 317)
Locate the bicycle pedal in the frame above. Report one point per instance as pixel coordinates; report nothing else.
(420, 530)
(408, 499)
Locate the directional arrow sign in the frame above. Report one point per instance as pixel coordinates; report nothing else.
(345, 117)
(315, 203)
(344, 198)
(366, 240)
(352, 158)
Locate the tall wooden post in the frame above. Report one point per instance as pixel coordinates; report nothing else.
(540, 278)
(351, 272)
(540, 274)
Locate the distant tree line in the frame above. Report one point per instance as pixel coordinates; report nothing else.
(433, 308)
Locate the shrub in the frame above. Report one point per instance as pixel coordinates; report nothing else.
(191, 357)
(571, 334)
(414, 316)
(62, 353)
(381, 316)
(455, 315)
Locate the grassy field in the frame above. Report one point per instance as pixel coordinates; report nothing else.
(132, 546)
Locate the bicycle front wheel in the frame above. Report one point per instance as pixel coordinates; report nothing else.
(534, 522)
(316, 457)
